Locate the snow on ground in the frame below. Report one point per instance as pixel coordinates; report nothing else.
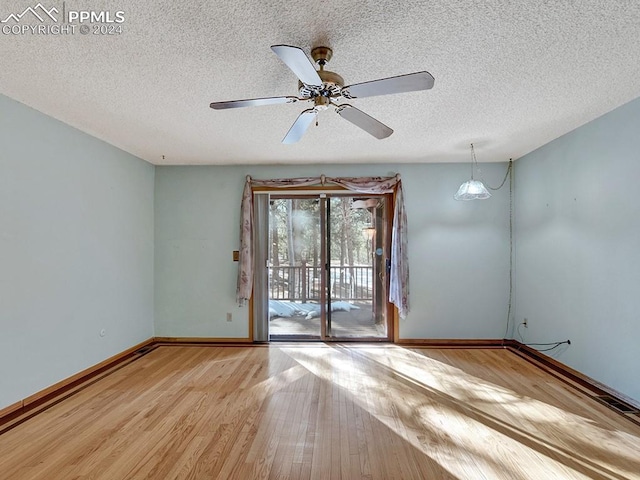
(282, 308)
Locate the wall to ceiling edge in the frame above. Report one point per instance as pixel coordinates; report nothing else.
(89, 234)
(84, 225)
(578, 247)
(458, 251)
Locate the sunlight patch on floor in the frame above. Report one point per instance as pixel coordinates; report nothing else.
(539, 428)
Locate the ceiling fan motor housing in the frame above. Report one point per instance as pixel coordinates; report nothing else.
(332, 84)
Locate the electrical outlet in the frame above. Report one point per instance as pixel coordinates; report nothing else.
(525, 323)
(103, 332)
(229, 317)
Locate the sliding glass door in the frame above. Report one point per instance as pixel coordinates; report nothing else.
(327, 267)
(295, 267)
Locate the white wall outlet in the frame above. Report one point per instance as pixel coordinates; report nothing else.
(229, 317)
(103, 332)
(525, 322)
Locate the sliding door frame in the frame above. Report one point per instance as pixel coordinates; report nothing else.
(324, 193)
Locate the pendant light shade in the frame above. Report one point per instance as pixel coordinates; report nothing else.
(472, 189)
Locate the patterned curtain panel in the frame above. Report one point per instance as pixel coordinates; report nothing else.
(399, 281)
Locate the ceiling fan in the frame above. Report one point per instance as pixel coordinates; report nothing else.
(325, 88)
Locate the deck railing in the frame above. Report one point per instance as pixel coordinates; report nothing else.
(302, 283)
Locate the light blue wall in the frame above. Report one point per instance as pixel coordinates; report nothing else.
(78, 228)
(458, 251)
(578, 247)
(76, 251)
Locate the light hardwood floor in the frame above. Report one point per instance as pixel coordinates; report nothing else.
(324, 411)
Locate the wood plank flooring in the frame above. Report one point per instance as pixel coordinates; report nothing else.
(320, 411)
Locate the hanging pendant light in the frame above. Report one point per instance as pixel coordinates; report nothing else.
(472, 189)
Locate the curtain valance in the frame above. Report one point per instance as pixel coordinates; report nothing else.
(399, 274)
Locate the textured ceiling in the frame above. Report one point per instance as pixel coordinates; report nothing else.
(509, 76)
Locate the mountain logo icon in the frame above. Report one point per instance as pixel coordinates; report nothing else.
(39, 11)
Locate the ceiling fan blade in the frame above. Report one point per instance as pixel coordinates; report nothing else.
(385, 86)
(252, 102)
(300, 126)
(364, 121)
(299, 63)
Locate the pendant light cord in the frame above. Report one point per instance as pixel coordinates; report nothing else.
(510, 175)
(474, 162)
(503, 180)
(510, 302)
